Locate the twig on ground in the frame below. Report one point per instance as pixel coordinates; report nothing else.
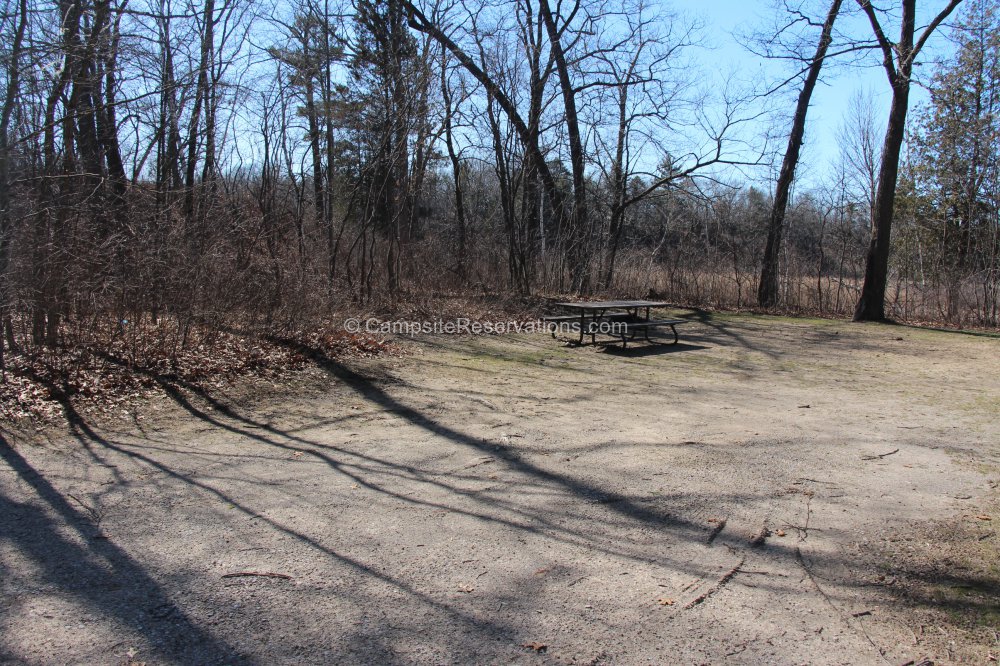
(721, 525)
(829, 601)
(728, 576)
(758, 538)
(260, 574)
(804, 530)
(879, 456)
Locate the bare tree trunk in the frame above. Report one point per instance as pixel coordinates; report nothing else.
(619, 184)
(6, 226)
(200, 101)
(421, 23)
(456, 171)
(579, 241)
(871, 304)
(314, 149)
(898, 63)
(767, 290)
(332, 240)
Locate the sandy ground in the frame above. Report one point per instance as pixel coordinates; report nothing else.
(515, 500)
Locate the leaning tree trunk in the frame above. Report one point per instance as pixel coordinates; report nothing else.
(897, 59)
(871, 304)
(579, 241)
(767, 291)
(456, 168)
(6, 223)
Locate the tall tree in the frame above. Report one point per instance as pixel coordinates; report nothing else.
(13, 76)
(897, 59)
(767, 290)
(956, 158)
(385, 61)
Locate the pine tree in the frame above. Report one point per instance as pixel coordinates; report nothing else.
(956, 154)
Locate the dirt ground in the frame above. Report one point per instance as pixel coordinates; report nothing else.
(769, 491)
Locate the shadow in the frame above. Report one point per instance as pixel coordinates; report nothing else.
(85, 434)
(97, 573)
(616, 503)
(942, 329)
(591, 521)
(642, 349)
(969, 596)
(708, 319)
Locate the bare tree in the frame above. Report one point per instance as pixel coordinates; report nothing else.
(767, 291)
(897, 59)
(858, 141)
(10, 100)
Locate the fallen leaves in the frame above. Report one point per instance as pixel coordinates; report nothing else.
(666, 602)
(536, 646)
(107, 369)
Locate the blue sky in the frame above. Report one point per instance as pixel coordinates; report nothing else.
(830, 102)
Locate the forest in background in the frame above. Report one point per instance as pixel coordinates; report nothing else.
(171, 167)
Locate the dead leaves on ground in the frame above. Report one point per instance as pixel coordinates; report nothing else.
(107, 371)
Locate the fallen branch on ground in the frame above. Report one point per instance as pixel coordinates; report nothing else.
(261, 574)
(715, 588)
(879, 456)
(721, 525)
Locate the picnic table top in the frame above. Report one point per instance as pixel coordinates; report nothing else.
(605, 305)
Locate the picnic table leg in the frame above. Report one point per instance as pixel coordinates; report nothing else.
(583, 324)
(593, 326)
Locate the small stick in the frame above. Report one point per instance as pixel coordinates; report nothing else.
(715, 588)
(261, 574)
(721, 525)
(880, 455)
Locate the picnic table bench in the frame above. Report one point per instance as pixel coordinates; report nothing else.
(617, 318)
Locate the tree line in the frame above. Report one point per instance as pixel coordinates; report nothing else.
(201, 161)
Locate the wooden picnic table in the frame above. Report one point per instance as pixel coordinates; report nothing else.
(624, 313)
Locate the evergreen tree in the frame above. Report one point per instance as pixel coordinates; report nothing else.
(956, 153)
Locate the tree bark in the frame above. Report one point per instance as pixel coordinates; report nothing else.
(871, 304)
(897, 60)
(767, 291)
(6, 226)
(200, 100)
(579, 241)
(456, 171)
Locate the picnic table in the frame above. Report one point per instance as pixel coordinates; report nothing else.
(617, 318)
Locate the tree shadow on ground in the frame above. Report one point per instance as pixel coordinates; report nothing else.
(95, 572)
(726, 332)
(644, 350)
(379, 475)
